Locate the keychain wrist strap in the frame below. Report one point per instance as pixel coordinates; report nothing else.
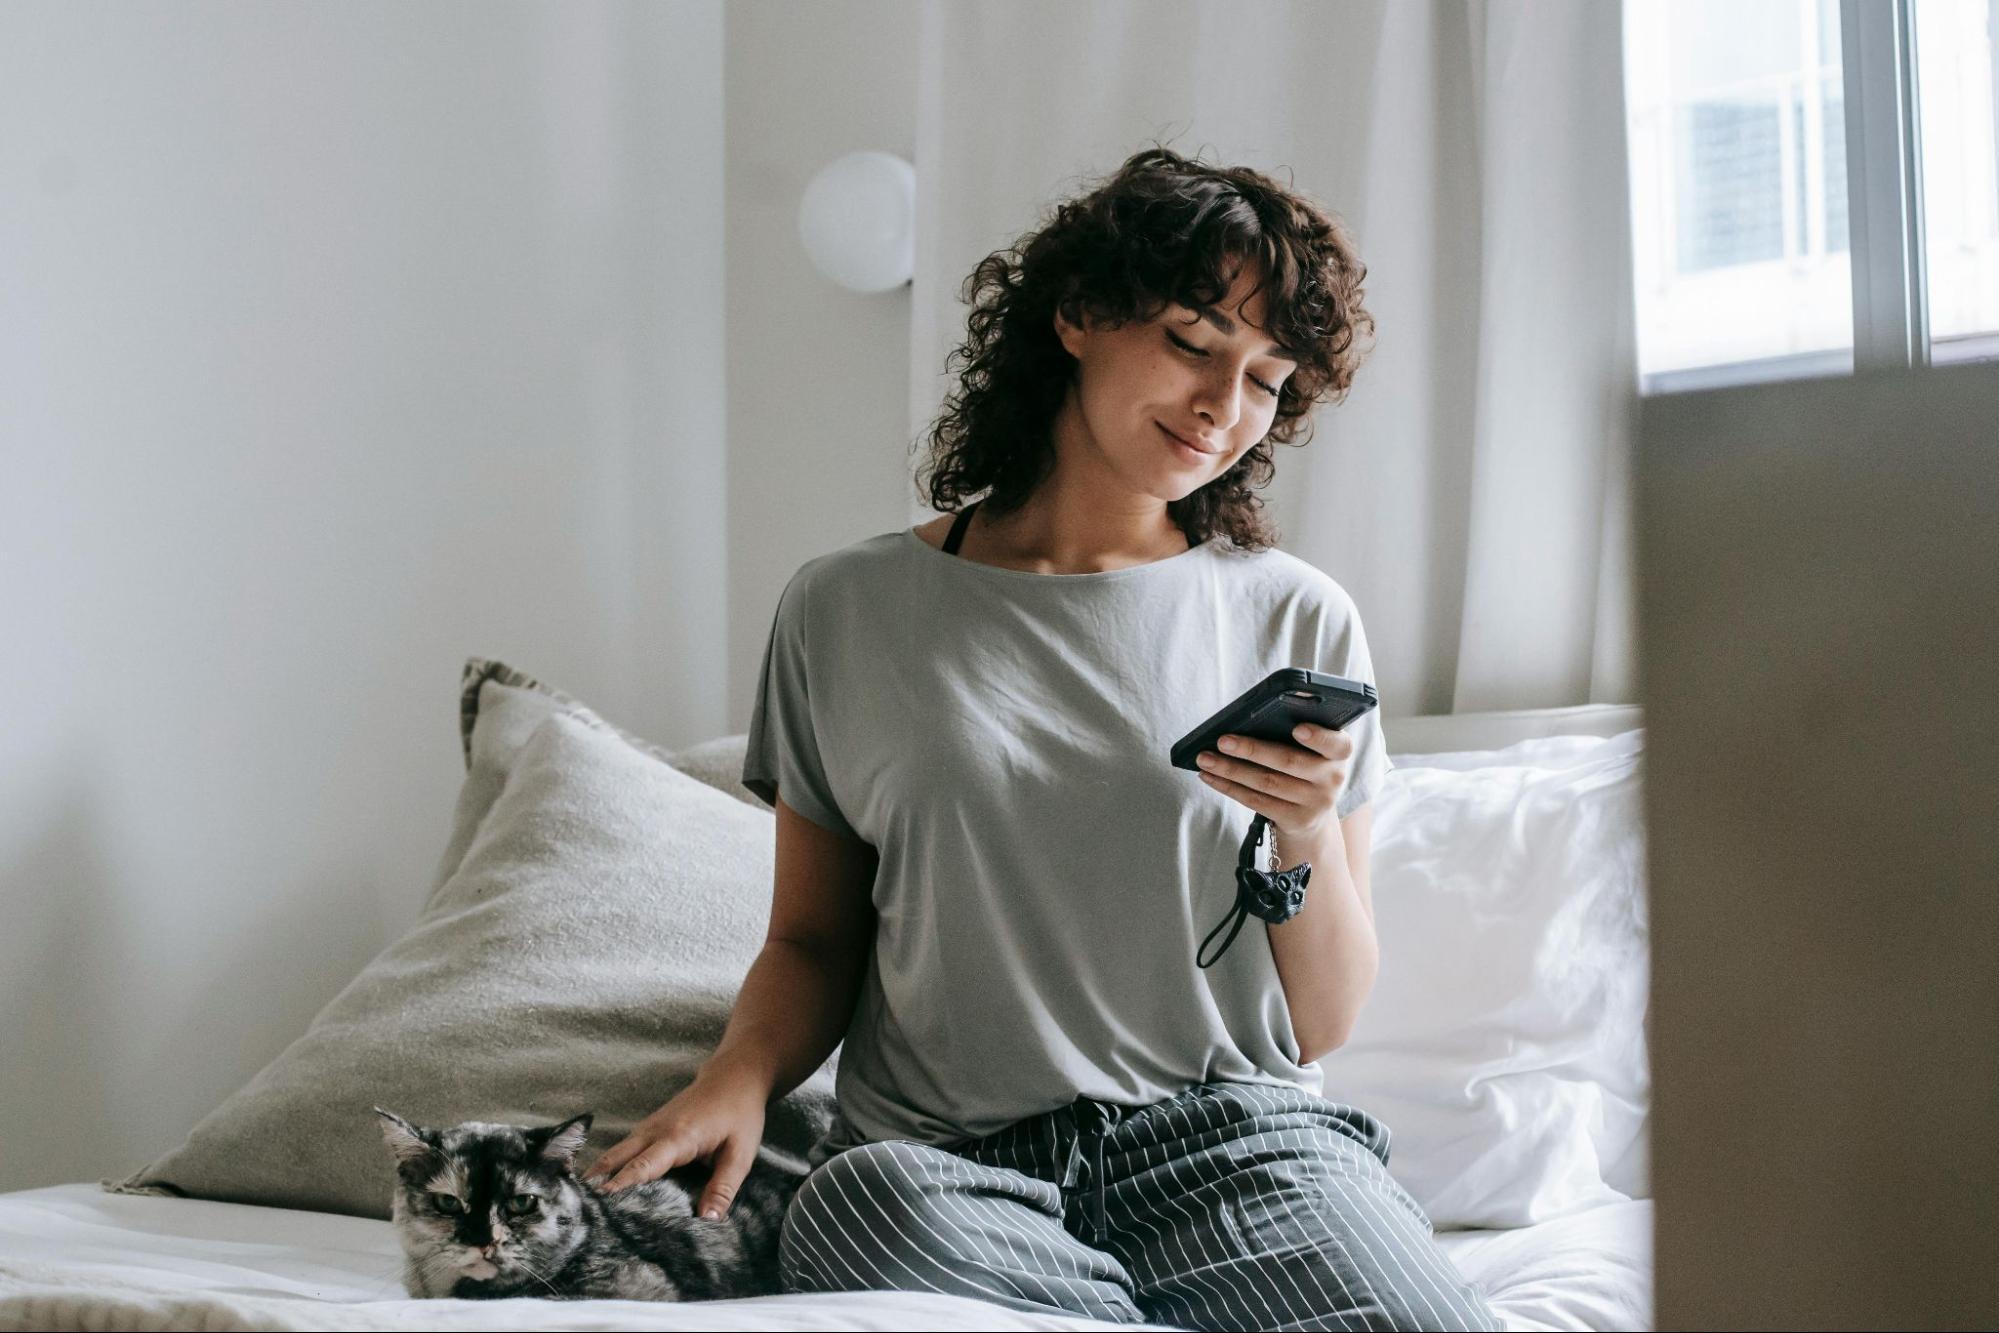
(1273, 895)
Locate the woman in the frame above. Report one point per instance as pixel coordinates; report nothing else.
(990, 881)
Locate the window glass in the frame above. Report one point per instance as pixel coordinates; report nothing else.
(1738, 182)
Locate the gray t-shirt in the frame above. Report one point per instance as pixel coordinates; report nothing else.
(1046, 875)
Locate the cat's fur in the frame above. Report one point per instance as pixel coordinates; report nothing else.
(574, 1241)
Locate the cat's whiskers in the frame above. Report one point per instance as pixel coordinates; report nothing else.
(394, 1279)
(436, 1265)
(536, 1275)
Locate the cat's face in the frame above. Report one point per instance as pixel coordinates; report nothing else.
(484, 1202)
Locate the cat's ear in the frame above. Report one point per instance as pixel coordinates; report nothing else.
(558, 1143)
(405, 1140)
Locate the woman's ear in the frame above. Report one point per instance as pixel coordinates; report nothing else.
(1072, 335)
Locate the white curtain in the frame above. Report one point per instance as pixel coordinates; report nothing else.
(1471, 493)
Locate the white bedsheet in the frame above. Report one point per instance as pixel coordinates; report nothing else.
(75, 1257)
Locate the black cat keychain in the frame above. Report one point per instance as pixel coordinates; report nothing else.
(1273, 895)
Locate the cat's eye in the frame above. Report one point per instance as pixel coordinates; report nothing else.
(523, 1203)
(448, 1203)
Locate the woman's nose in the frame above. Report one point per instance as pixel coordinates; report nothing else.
(1221, 405)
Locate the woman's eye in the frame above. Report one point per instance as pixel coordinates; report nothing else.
(448, 1203)
(1189, 347)
(522, 1203)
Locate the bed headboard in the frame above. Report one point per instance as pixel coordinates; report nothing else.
(1441, 732)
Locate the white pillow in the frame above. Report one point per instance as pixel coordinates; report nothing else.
(1504, 1042)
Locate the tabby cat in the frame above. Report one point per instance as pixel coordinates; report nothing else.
(492, 1211)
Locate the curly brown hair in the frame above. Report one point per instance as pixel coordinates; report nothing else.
(1163, 228)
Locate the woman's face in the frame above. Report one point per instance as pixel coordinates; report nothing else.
(1209, 378)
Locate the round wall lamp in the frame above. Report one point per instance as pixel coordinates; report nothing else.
(858, 221)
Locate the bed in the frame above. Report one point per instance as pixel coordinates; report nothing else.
(73, 1256)
(1529, 1155)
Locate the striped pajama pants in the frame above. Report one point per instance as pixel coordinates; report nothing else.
(1225, 1206)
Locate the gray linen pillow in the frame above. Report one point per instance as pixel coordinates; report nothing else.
(507, 704)
(587, 931)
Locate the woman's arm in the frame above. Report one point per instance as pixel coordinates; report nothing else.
(800, 992)
(1327, 955)
(792, 1010)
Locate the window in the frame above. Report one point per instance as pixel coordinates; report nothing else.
(1757, 254)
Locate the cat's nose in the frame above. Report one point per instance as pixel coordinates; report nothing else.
(489, 1249)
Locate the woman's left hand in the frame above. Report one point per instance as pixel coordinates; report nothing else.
(1294, 786)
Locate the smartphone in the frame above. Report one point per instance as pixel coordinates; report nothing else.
(1269, 709)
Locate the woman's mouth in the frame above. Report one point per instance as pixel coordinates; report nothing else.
(1184, 449)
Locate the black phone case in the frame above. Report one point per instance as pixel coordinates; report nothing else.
(1269, 709)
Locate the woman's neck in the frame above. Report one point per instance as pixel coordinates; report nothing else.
(1036, 538)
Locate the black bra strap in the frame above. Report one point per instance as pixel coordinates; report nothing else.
(958, 528)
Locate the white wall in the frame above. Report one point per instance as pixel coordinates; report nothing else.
(338, 342)
(819, 432)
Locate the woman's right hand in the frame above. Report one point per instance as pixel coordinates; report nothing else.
(718, 1117)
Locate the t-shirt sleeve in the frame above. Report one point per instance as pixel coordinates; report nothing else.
(1345, 653)
(783, 752)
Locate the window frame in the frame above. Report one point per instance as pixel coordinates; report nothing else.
(1886, 241)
